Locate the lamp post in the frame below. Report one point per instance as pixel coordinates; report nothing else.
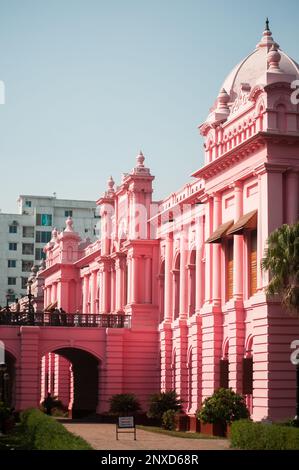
(30, 306)
(7, 299)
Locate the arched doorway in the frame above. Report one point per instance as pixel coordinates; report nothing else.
(72, 375)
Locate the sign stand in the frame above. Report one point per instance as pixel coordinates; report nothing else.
(123, 424)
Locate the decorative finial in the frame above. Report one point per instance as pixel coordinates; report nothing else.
(140, 159)
(222, 100)
(273, 59)
(69, 225)
(110, 184)
(267, 24)
(54, 235)
(42, 265)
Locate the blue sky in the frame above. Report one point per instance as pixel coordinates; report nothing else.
(90, 82)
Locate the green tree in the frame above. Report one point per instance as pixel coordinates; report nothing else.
(161, 402)
(224, 406)
(124, 403)
(282, 261)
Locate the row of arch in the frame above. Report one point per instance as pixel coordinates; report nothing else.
(223, 379)
(176, 291)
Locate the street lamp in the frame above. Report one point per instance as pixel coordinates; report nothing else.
(7, 299)
(30, 306)
(29, 295)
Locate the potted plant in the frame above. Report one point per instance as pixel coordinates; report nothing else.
(220, 410)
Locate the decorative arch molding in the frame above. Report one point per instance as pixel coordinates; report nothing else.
(248, 346)
(55, 348)
(225, 348)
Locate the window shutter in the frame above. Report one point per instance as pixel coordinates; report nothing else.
(224, 373)
(247, 375)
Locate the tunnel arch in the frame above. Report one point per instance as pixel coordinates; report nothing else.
(72, 374)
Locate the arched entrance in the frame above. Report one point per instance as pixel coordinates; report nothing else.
(72, 375)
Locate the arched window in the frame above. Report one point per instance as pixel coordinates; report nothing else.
(247, 385)
(176, 290)
(189, 371)
(173, 370)
(224, 367)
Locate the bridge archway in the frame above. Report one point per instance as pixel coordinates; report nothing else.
(72, 374)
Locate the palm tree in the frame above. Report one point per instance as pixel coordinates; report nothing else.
(282, 261)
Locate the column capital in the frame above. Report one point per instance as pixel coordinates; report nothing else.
(236, 185)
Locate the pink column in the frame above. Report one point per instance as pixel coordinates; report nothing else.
(199, 279)
(259, 282)
(134, 279)
(44, 385)
(183, 280)
(129, 280)
(216, 289)
(56, 375)
(112, 287)
(208, 250)
(54, 292)
(238, 246)
(148, 280)
(168, 309)
(93, 292)
(63, 380)
(292, 192)
(85, 294)
(28, 390)
(118, 285)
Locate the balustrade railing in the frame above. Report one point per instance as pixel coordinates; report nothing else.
(91, 320)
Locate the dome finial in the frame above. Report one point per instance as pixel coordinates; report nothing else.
(140, 160)
(267, 24)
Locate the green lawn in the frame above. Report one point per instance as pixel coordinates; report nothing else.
(184, 435)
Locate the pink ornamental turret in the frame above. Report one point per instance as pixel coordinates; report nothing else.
(69, 225)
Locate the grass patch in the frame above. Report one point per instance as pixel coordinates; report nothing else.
(184, 435)
(45, 433)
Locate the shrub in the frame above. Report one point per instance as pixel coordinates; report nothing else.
(45, 433)
(7, 420)
(124, 403)
(258, 436)
(168, 420)
(224, 406)
(162, 402)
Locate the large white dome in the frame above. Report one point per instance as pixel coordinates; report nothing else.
(254, 66)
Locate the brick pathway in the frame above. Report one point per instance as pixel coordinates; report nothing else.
(102, 437)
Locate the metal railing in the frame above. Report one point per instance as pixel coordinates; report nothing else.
(89, 320)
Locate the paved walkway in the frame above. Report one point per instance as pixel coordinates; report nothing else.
(102, 437)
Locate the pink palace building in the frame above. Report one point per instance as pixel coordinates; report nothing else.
(172, 294)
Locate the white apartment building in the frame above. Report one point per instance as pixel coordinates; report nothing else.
(24, 234)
